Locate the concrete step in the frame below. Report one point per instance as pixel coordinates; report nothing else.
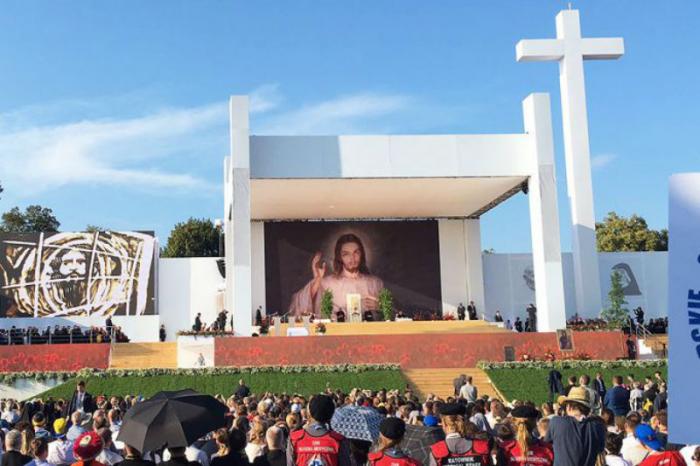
(438, 381)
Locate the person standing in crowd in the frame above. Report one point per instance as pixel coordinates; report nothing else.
(532, 315)
(458, 447)
(132, 457)
(458, 382)
(655, 453)
(632, 449)
(498, 317)
(613, 444)
(599, 385)
(197, 327)
(617, 399)
(576, 437)
(631, 348)
(556, 387)
(639, 314)
(81, 401)
(391, 433)
(524, 450)
(109, 325)
(275, 446)
(316, 444)
(39, 451)
(468, 391)
(471, 310)
(162, 334)
(60, 450)
(518, 325)
(585, 381)
(242, 391)
(571, 383)
(461, 311)
(13, 455)
(86, 449)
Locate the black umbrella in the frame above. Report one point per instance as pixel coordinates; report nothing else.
(417, 441)
(171, 419)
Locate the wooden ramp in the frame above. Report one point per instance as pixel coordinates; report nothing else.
(438, 381)
(144, 355)
(402, 327)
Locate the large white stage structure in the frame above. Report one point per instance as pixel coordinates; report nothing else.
(453, 178)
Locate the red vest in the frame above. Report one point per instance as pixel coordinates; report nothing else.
(380, 459)
(316, 451)
(479, 455)
(539, 454)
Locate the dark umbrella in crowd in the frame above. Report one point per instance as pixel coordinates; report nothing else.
(172, 419)
(357, 423)
(418, 439)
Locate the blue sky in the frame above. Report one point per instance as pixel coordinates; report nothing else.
(114, 112)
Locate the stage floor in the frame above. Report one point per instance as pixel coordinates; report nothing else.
(407, 327)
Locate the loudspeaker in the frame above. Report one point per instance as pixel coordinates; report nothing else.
(509, 353)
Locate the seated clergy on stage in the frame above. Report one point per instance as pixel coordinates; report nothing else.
(350, 281)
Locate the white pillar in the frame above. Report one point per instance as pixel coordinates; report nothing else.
(258, 266)
(544, 216)
(475, 270)
(238, 227)
(453, 265)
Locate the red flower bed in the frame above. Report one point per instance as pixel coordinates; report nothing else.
(59, 357)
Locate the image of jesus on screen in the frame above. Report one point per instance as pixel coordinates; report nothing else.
(350, 281)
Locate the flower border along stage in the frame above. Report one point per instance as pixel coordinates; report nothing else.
(573, 364)
(8, 378)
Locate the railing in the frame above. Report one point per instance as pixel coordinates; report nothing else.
(27, 337)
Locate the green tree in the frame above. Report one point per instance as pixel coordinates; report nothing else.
(94, 229)
(34, 219)
(193, 238)
(617, 233)
(616, 314)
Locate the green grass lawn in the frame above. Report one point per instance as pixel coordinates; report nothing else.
(531, 384)
(304, 383)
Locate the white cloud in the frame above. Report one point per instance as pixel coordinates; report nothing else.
(348, 114)
(152, 152)
(602, 160)
(110, 152)
(265, 98)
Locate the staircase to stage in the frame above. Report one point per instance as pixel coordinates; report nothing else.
(438, 381)
(144, 355)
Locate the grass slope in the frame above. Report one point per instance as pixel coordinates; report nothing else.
(303, 383)
(531, 384)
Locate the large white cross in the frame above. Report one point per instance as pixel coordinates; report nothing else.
(570, 49)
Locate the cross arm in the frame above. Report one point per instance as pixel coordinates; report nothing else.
(603, 49)
(539, 50)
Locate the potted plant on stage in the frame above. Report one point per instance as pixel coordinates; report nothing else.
(326, 307)
(386, 304)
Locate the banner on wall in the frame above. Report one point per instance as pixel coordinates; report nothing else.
(77, 274)
(684, 307)
(353, 261)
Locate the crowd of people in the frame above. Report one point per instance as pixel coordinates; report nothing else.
(61, 334)
(587, 425)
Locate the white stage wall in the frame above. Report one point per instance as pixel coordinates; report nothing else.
(187, 286)
(509, 282)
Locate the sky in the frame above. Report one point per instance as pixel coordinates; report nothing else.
(113, 113)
